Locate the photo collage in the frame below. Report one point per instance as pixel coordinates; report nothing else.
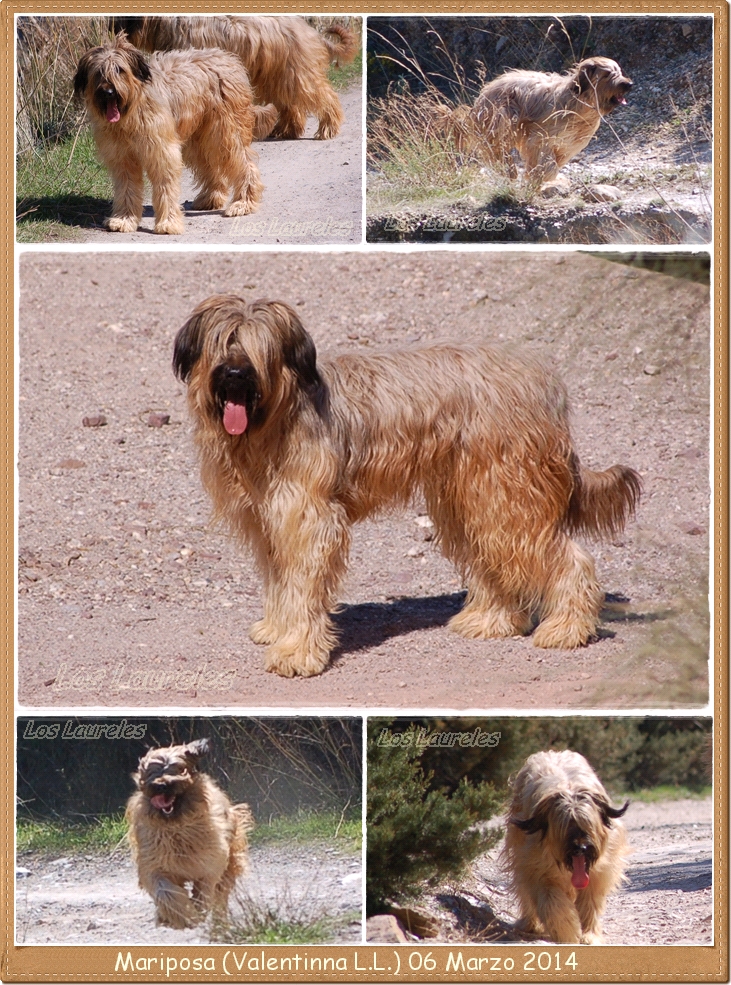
(370, 418)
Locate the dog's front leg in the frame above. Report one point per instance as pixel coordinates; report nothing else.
(165, 169)
(128, 192)
(173, 905)
(558, 915)
(310, 541)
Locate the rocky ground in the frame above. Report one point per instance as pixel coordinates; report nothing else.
(128, 597)
(95, 899)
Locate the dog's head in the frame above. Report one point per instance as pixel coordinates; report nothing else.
(601, 84)
(110, 78)
(574, 825)
(166, 776)
(246, 364)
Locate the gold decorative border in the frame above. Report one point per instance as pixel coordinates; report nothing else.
(368, 963)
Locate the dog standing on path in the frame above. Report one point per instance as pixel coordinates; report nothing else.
(183, 829)
(294, 451)
(287, 60)
(564, 847)
(179, 107)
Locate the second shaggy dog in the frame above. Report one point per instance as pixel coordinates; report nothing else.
(287, 60)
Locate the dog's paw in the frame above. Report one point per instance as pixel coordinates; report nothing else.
(209, 202)
(286, 662)
(121, 224)
(261, 632)
(555, 635)
(241, 207)
(327, 131)
(591, 937)
(172, 226)
(474, 624)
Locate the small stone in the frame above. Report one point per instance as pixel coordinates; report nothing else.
(692, 529)
(158, 420)
(604, 193)
(610, 356)
(385, 929)
(689, 453)
(94, 421)
(71, 463)
(650, 370)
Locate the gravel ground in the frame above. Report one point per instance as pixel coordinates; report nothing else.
(667, 899)
(127, 597)
(96, 900)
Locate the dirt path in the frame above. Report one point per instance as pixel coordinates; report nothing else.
(312, 194)
(96, 900)
(667, 899)
(129, 597)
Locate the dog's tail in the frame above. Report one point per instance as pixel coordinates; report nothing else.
(345, 48)
(602, 502)
(244, 818)
(265, 119)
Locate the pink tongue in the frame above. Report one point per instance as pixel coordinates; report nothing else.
(160, 801)
(579, 877)
(112, 113)
(234, 418)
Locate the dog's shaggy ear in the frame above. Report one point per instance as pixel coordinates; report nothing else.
(189, 345)
(81, 79)
(194, 750)
(588, 75)
(137, 61)
(608, 812)
(532, 825)
(298, 349)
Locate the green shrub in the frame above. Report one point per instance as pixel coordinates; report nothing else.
(418, 835)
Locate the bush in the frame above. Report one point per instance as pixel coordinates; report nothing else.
(418, 835)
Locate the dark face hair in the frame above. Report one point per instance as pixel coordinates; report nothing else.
(578, 842)
(589, 78)
(171, 778)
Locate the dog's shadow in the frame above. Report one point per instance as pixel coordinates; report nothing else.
(368, 624)
(70, 210)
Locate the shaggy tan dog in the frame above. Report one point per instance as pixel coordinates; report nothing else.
(180, 107)
(293, 452)
(287, 60)
(184, 829)
(564, 847)
(547, 118)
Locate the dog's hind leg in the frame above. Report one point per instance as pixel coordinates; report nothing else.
(173, 905)
(213, 186)
(246, 182)
(329, 113)
(487, 614)
(165, 169)
(291, 123)
(128, 195)
(571, 598)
